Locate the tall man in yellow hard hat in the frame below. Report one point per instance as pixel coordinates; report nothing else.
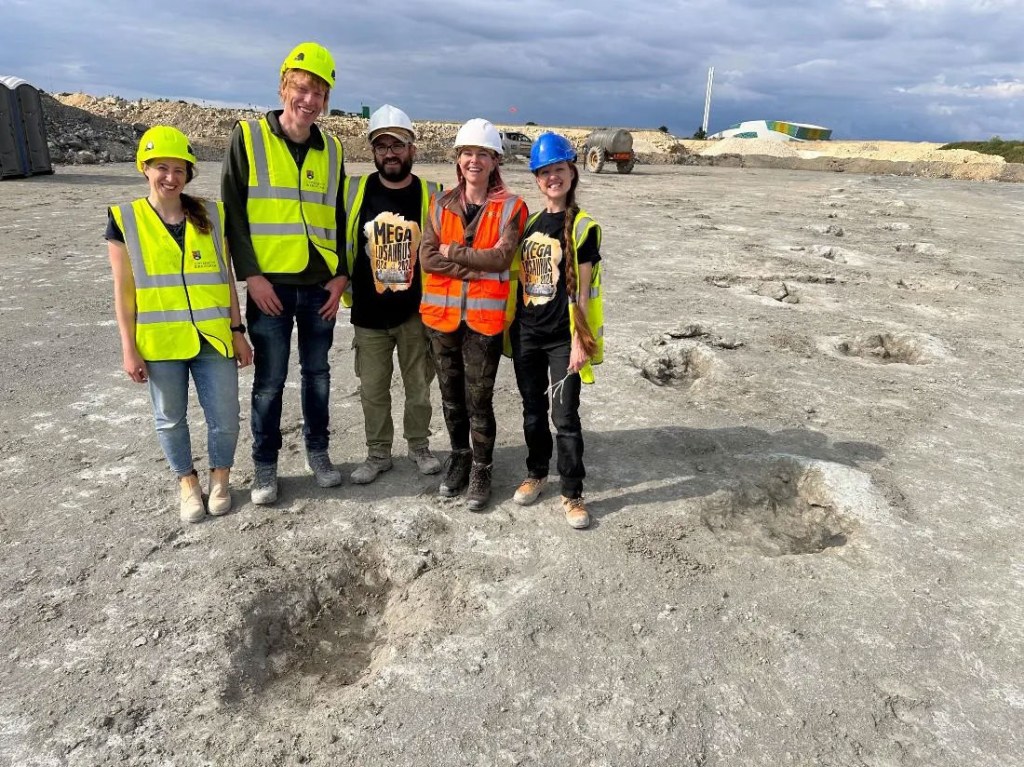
(386, 212)
(280, 186)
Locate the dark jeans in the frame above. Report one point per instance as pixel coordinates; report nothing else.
(271, 343)
(538, 364)
(467, 363)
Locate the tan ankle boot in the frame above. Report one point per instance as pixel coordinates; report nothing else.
(220, 491)
(191, 499)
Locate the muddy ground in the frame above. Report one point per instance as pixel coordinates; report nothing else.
(804, 457)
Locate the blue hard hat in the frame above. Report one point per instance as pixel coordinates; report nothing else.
(550, 148)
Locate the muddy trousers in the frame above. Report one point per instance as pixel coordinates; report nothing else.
(374, 363)
(538, 365)
(466, 364)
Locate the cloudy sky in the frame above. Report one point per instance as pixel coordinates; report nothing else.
(929, 70)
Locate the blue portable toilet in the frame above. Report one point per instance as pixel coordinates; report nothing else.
(23, 149)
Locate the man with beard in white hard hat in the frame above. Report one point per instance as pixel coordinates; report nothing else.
(386, 213)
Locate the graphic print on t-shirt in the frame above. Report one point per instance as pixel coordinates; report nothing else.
(541, 268)
(392, 244)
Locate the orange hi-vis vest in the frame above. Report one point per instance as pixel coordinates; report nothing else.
(479, 302)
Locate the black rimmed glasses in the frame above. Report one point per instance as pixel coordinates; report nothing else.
(382, 150)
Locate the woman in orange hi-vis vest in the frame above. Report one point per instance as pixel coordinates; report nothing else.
(466, 254)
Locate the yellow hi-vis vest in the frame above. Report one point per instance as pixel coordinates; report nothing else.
(354, 189)
(179, 295)
(581, 227)
(290, 207)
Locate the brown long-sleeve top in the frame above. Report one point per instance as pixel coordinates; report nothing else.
(465, 262)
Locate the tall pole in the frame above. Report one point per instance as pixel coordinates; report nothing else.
(707, 100)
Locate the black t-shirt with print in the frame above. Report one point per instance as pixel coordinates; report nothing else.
(542, 303)
(393, 219)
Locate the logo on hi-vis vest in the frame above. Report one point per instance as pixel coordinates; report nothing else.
(203, 264)
(542, 257)
(392, 245)
(312, 183)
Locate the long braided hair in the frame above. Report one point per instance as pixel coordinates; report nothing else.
(582, 327)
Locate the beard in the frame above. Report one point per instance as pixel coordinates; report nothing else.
(393, 174)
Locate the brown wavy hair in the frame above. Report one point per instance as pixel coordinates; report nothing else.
(496, 189)
(196, 213)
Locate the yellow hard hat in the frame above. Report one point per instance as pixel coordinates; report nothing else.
(164, 141)
(313, 58)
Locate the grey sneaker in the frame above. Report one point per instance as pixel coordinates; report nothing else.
(479, 487)
(264, 484)
(456, 477)
(320, 464)
(370, 469)
(426, 462)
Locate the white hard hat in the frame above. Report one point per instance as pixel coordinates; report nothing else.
(479, 132)
(391, 121)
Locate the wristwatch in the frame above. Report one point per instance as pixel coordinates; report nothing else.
(238, 329)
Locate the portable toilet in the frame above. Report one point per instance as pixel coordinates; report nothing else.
(23, 149)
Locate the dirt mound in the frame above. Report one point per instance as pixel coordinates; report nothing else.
(88, 129)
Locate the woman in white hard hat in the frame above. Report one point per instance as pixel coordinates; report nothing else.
(177, 313)
(558, 325)
(466, 253)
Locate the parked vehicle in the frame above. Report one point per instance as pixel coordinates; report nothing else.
(609, 145)
(513, 143)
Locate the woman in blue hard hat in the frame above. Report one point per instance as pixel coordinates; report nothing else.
(556, 333)
(177, 313)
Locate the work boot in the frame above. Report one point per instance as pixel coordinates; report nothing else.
(370, 469)
(479, 486)
(323, 470)
(456, 477)
(426, 462)
(192, 509)
(529, 491)
(576, 512)
(264, 484)
(219, 501)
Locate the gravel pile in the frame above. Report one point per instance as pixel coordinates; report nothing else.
(86, 129)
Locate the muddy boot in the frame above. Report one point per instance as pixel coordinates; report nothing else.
(456, 477)
(530, 490)
(425, 461)
(370, 469)
(264, 484)
(192, 509)
(219, 501)
(319, 463)
(479, 487)
(575, 512)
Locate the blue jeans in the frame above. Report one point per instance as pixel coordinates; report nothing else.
(271, 343)
(216, 379)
